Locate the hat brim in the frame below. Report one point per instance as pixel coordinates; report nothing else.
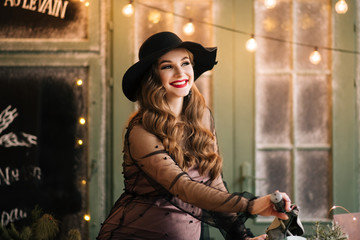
(204, 59)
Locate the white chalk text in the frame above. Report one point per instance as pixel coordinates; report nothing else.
(56, 8)
(12, 216)
(9, 175)
(11, 139)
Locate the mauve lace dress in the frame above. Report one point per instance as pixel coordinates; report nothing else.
(161, 201)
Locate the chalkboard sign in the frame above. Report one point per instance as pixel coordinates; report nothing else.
(41, 161)
(60, 19)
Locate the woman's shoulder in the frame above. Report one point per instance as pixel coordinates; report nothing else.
(140, 134)
(137, 129)
(142, 142)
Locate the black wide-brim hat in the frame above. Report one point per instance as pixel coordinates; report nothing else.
(156, 46)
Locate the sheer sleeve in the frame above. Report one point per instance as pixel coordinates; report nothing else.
(231, 225)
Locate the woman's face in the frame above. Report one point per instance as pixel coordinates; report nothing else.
(176, 73)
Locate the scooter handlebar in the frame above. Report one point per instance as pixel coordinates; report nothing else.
(278, 201)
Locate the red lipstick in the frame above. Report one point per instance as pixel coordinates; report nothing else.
(179, 83)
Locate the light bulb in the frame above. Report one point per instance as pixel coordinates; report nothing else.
(270, 4)
(87, 4)
(251, 44)
(154, 17)
(80, 142)
(83, 182)
(189, 28)
(87, 217)
(128, 10)
(341, 7)
(315, 57)
(82, 121)
(79, 82)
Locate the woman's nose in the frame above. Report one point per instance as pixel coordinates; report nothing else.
(178, 70)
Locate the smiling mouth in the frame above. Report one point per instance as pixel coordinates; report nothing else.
(179, 84)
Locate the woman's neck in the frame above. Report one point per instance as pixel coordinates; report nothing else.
(176, 105)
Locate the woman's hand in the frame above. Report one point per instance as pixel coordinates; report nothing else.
(261, 237)
(264, 207)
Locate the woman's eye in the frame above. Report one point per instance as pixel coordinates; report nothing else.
(186, 63)
(166, 67)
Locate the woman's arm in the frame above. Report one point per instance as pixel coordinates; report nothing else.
(151, 157)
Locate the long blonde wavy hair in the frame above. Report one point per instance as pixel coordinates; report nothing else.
(186, 139)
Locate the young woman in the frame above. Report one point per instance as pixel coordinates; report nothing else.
(172, 168)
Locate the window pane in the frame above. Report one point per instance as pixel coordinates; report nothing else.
(273, 109)
(273, 172)
(312, 183)
(42, 106)
(274, 23)
(312, 109)
(293, 102)
(312, 26)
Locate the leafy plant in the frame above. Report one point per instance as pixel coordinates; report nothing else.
(43, 227)
(328, 232)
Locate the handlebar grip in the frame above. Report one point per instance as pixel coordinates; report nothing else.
(278, 201)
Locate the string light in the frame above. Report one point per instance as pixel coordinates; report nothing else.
(82, 121)
(334, 207)
(154, 17)
(189, 28)
(251, 44)
(87, 217)
(83, 182)
(341, 7)
(80, 142)
(79, 82)
(87, 3)
(315, 57)
(128, 10)
(244, 32)
(269, 4)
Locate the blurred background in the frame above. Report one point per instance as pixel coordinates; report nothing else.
(284, 95)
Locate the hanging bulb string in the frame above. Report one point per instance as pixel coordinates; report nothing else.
(334, 207)
(306, 44)
(193, 20)
(246, 33)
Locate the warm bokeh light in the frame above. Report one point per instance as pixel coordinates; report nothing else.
(189, 28)
(315, 57)
(87, 217)
(128, 10)
(79, 82)
(251, 44)
(270, 3)
(341, 7)
(82, 121)
(83, 182)
(154, 17)
(80, 142)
